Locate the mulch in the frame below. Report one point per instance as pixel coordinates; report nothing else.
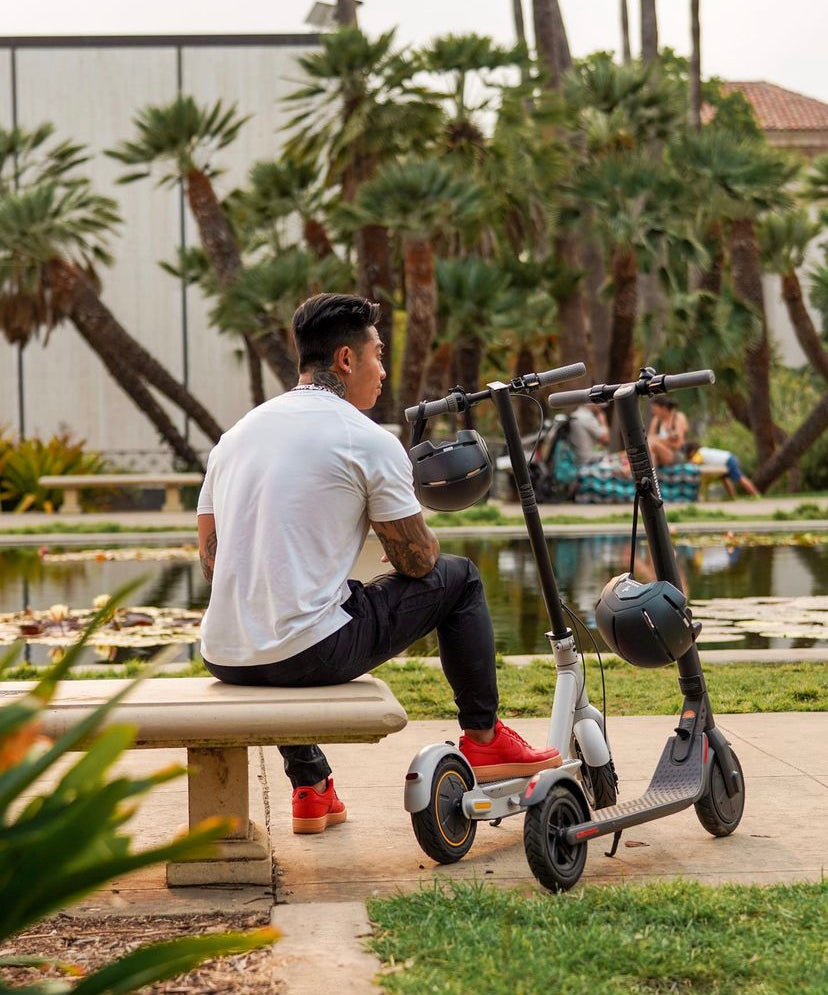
(91, 943)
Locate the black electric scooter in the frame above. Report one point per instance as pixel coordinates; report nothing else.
(697, 765)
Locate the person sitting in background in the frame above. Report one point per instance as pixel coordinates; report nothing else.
(667, 432)
(588, 433)
(725, 459)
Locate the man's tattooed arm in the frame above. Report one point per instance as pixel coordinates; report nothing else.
(410, 545)
(207, 545)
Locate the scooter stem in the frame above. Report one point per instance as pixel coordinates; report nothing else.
(549, 586)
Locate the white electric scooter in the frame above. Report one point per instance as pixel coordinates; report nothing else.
(441, 792)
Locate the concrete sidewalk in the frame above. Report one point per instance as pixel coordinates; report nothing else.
(782, 836)
(322, 882)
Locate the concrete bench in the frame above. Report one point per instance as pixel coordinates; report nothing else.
(73, 483)
(217, 723)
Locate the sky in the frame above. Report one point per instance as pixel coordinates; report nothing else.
(782, 43)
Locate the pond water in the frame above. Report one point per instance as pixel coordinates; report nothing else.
(583, 565)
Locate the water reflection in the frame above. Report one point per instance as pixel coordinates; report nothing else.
(582, 565)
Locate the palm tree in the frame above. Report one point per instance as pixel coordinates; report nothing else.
(631, 200)
(420, 199)
(550, 40)
(186, 137)
(51, 238)
(360, 108)
(749, 179)
(649, 31)
(695, 66)
(626, 54)
(474, 300)
(784, 240)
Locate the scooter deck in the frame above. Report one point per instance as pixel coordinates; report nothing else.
(674, 786)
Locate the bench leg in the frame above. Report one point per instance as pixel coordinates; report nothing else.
(172, 498)
(217, 785)
(71, 504)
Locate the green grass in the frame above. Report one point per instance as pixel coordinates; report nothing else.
(527, 691)
(82, 528)
(648, 939)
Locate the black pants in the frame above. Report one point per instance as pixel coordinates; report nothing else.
(388, 615)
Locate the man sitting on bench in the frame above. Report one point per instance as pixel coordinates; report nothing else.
(286, 504)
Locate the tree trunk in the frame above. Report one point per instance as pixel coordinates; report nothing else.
(64, 278)
(649, 31)
(801, 440)
(807, 336)
(695, 66)
(436, 377)
(626, 54)
(598, 311)
(421, 304)
(317, 238)
(525, 412)
(375, 281)
(550, 40)
(346, 13)
(89, 316)
(624, 313)
(223, 255)
(468, 360)
(575, 340)
(520, 27)
(747, 283)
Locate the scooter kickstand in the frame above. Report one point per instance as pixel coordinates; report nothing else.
(616, 839)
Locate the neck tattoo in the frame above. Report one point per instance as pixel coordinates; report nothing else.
(324, 380)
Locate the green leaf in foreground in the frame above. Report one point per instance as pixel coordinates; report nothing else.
(653, 939)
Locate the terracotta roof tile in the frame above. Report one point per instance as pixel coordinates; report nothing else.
(778, 109)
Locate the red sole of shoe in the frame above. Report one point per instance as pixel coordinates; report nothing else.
(497, 772)
(320, 824)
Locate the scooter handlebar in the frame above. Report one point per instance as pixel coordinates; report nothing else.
(698, 378)
(530, 381)
(570, 398)
(561, 374)
(658, 385)
(432, 408)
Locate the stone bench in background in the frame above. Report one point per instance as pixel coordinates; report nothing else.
(72, 484)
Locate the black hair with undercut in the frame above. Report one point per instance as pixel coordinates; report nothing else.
(327, 322)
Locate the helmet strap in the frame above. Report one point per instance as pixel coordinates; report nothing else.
(419, 425)
(634, 535)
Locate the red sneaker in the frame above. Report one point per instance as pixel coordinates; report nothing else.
(507, 755)
(314, 811)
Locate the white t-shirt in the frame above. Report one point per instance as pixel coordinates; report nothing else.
(293, 486)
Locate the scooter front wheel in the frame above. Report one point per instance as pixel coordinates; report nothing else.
(717, 811)
(600, 784)
(555, 863)
(442, 829)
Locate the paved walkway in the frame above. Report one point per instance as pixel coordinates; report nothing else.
(325, 880)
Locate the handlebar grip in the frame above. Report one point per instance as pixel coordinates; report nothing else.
(698, 378)
(561, 374)
(569, 398)
(432, 408)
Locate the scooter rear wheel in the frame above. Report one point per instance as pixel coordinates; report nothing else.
(555, 863)
(717, 811)
(600, 784)
(442, 829)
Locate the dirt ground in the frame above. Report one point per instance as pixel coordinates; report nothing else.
(92, 943)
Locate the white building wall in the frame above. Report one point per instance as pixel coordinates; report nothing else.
(91, 94)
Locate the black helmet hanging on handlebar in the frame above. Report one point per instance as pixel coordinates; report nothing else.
(648, 625)
(452, 475)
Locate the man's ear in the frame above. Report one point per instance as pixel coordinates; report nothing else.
(343, 360)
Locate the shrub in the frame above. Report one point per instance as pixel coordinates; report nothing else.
(67, 840)
(22, 463)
